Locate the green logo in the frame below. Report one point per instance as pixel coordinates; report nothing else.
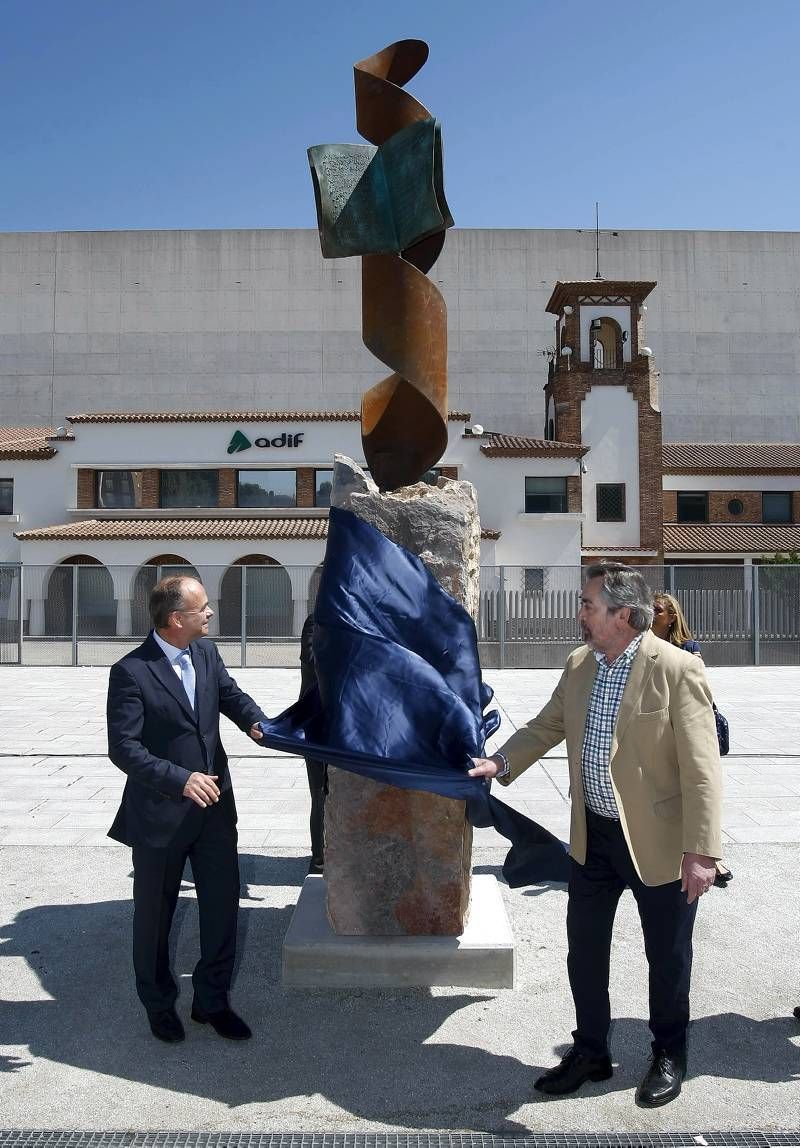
(238, 442)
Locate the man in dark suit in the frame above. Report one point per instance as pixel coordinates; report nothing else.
(164, 702)
(317, 770)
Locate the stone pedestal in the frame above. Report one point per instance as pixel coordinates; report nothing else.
(397, 862)
(482, 956)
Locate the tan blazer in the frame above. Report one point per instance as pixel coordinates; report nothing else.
(664, 764)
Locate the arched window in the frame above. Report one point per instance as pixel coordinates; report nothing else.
(268, 603)
(606, 344)
(96, 607)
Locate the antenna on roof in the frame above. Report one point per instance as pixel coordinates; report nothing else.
(597, 274)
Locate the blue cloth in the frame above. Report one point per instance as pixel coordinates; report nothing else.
(399, 695)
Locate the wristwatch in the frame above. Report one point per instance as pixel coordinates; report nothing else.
(505, 770)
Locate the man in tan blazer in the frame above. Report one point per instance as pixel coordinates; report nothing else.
(645, 783)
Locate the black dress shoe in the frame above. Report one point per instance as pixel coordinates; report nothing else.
(225, 1023)
(796, 1013)
(316, 866)
(166, 1025)
(663, 1079)
(573, 1071)
(722, 876)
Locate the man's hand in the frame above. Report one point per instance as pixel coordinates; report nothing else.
(255, 732)
(485, 767)
(697, 875)
(202, 788)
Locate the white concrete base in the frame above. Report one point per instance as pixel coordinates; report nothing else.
(482, 957)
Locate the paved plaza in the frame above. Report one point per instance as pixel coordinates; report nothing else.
(75, 1051)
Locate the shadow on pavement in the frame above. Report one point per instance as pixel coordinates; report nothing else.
(365, 1051)
(381, 1056)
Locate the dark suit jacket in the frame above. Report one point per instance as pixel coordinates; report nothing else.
(156, 738)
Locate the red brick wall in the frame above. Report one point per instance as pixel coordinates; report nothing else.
(227, 487)
(150, 489)
(86, 490)
(574, 494)
(306, 486)
(718, 505)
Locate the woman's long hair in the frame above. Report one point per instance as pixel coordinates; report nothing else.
(679, 631)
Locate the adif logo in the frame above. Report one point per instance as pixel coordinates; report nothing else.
(238, 442)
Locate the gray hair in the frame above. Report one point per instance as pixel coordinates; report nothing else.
(624, 586)
(166, 597)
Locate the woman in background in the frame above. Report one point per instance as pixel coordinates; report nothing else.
(670, 624)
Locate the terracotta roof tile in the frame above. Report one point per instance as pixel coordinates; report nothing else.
(746, 538)
(520, 446)
(167, 529)
(731, 457)
(231, 417)
(25, 442)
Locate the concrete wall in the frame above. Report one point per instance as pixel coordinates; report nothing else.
(214, 319)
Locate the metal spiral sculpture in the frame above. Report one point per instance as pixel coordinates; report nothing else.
(385, 202)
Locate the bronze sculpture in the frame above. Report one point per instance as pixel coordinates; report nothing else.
(385, 202)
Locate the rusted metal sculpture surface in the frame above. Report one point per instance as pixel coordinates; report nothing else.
(385, 202)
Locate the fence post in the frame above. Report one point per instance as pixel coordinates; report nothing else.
(756, 618)
(21, 600)
(243, 619)
(75, 570)
(501, 617)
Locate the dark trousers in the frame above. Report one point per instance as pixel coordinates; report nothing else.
(667, 922)
(157, 873)
(318, 785)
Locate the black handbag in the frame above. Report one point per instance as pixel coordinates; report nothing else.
(723, 733)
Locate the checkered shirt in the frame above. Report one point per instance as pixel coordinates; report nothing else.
(601, 717)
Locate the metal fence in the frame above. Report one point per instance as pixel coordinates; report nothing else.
(93, 614)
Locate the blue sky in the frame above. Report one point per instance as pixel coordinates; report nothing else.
(179, 114)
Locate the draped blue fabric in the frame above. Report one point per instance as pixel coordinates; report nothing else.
(399, 694)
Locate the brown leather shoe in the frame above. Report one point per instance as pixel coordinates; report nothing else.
(573, 1071)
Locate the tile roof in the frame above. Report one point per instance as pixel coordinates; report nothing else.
(26, 442)
(730, 457)
(232, 417)
(740, 539)
(167, 529)
(519, 446)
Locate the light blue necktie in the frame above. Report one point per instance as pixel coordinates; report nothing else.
(186, 665)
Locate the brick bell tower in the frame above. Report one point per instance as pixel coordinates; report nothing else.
(602, 392)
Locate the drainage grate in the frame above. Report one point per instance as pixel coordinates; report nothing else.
(18, 1138)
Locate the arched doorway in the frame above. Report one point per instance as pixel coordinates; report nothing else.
(161, 566)
(268, 599)
(96, 607)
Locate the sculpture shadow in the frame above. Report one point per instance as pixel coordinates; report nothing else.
(371, 1053)
(543, 886)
